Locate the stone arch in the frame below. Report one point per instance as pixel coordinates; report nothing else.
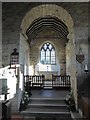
(47, 10)
(59, 12)
(53, 11)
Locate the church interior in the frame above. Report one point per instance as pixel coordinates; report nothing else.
(44, 61)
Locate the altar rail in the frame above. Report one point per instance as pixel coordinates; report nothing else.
(61, 81)
(34, 80)
(39, 81)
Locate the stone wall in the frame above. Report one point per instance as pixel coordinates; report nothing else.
(59, 44)
(0, 34)
(10, 40)
(81, 41)
(24, 51)
(11, 22)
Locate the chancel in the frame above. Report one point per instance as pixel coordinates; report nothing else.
(45, 61)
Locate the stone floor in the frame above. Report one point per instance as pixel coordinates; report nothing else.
(49, 93)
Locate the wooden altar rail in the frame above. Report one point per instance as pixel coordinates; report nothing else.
(38, 81)
(61, 81)
(34, 80)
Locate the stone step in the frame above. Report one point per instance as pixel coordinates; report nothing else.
(47, 109)
(56, 102)
(48, 99)
(45, 112)
(47, 87)
(29, 117)
(47, 84)
(47, 105)
(53, 118)
(46, 118)
(48, 102)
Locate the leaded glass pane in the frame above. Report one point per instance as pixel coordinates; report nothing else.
(42, 60)
(45, 46)
(52, 53)
(48, 53)
(47, 60)
(42, 53)
(50, 46)
(53, 59)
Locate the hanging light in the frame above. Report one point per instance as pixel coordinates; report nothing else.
(14, 58)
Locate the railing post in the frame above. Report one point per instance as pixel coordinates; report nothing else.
(43, 79)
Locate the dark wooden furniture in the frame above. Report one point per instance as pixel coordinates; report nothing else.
(34, 81)
(61, 81)
(86, 107)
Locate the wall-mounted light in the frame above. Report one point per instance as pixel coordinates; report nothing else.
(86, 69)
(80, 56)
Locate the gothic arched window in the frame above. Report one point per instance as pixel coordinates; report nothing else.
(47, 53)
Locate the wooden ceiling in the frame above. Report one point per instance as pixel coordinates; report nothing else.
(47, 23)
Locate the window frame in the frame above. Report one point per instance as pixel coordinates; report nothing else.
(50, 62)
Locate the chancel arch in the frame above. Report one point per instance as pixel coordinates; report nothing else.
(50, 21)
